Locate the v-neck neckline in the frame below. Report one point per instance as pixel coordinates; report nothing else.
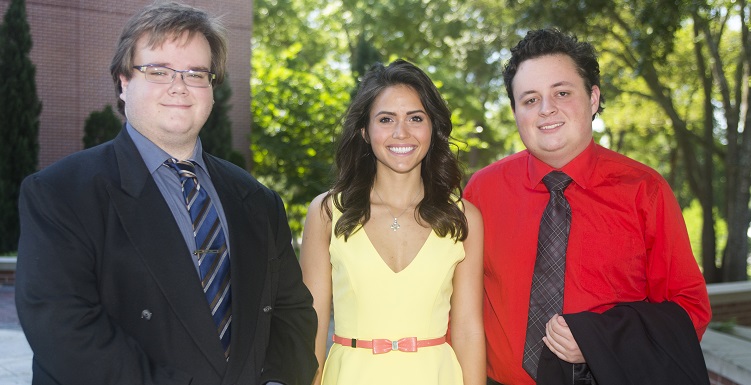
(383, 261)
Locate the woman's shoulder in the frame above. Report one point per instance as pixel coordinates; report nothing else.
(322, 202)
(470, 210)
(320, 199)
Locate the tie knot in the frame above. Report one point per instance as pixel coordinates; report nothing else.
(184, 168)
(556, 181)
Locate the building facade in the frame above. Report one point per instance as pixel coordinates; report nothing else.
(74, 41)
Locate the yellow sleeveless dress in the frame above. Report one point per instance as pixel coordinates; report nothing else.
(371, 301)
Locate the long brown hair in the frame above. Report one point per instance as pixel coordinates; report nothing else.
(356, 163)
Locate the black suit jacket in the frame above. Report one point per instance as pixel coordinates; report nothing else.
(107, 294)
(633, 343)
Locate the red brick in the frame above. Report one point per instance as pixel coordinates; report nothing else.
(73, 44)
(740, 312)
(7, 278)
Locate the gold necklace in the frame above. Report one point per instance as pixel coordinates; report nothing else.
(395, 226)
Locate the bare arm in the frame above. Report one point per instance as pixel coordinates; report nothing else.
(316, 268)
(467, 333)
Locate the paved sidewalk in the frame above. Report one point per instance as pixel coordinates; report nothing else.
(15, 354)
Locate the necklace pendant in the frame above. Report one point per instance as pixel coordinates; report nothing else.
(395, 226)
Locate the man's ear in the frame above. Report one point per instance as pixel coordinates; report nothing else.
(594, 100)
(124, 82)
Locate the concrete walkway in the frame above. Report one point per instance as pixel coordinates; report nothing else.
(15, 354)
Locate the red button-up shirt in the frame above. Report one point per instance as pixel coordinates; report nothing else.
(628, 242)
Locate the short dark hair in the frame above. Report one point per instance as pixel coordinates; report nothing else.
(356, 163)
(551, 41)
(162, 22)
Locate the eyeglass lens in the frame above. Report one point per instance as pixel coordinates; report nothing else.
(165, 75)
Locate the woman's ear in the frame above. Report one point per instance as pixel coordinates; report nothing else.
(364, 135)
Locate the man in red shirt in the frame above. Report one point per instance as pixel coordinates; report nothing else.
(627, 241)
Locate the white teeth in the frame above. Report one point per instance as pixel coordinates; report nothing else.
(551, 126)
(401, 150)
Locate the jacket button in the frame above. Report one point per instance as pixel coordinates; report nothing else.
(146, 314)
(267, 309)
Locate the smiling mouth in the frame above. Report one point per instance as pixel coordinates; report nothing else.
(173, 105)
(401, 149)
(550, 126)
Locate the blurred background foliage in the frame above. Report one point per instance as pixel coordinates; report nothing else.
(675, 74)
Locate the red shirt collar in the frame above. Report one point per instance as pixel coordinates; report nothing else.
(580, 169)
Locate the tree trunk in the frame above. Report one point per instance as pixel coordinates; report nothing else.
(735, 257)
(738, 164)
(708, 234)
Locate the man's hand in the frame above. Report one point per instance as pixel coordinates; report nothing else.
(561, 342)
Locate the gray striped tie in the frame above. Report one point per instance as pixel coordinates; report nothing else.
(546, 297)
(211, 249)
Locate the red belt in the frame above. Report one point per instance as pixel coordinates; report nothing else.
(382, 345)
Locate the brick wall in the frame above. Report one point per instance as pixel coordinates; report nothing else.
(7, 270)
(7, 278)
(731, 302)
(738, 312)
(722, 311)
(74, 41)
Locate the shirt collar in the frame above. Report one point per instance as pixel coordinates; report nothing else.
(580, 169)
(154, 156)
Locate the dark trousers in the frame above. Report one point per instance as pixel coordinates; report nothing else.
(581, 376)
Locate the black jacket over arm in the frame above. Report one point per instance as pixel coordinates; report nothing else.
(635, 343)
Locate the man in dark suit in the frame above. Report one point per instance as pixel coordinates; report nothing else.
(116, 263)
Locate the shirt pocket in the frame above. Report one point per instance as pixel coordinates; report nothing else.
(612, 265)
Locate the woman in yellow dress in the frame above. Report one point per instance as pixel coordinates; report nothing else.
(393, 246)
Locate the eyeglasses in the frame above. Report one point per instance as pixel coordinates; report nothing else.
(165, 75)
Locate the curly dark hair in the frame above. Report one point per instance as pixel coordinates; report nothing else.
(356, 163)
(551, 41)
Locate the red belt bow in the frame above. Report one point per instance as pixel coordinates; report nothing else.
(407, 344)
(382, 345)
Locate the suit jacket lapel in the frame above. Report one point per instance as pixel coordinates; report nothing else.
(152, 230)
(248, 240)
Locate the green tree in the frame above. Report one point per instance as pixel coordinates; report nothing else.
(296, 117)
(724, 72)
(19, 118)
(300, 88)
(216, 134)
(100, 127)
(364, 56)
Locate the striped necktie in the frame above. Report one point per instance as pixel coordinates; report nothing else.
(546, 296)
(211, 248)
